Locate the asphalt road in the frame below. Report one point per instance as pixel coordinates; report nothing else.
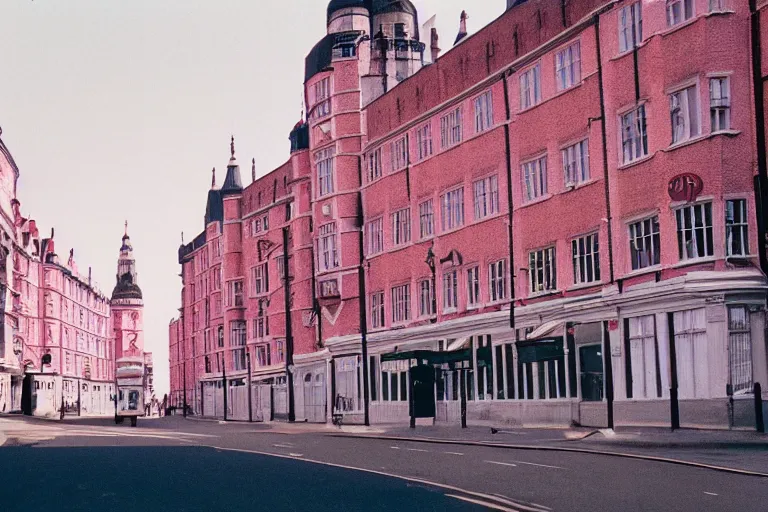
(173, 465)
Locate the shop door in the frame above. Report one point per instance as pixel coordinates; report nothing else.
(423, 392)
(591, 373)
(28, 397)
(314, 397)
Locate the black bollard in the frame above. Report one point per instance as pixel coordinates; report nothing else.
(759, 420)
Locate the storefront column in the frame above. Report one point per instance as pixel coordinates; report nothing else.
(494, 369)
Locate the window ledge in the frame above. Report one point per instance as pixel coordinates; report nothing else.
(686, 142)
(636, 162)
(579, 185)
(543, 294)
(674, 28)
(699, 138)
(642, 271)
(694, 261)
(532, 202)
(474, 307)
(630, 50)
(450, 311)
(724, 12)
(582, 286)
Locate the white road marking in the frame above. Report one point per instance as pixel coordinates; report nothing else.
(454, 453)
(416, 450)
(501, 463)
(395, 447)
(296, 454)
(373, 471)
(710, 493)
(483, 503)
(282, 445)
(540, 465)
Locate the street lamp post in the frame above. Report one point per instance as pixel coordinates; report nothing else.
(224, 378)
(250, 400)
(184, 376)
(430, 261)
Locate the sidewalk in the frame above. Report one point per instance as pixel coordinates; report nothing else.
(735, 450)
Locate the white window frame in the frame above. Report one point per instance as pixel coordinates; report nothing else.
(633, 134)
(452, 209)
(497, 281)
(740, 371)
(451, 128)
(329, 288)
(530, 87)
(542, 270)
(680, 11)
(473, 286)
(375, 234)
(255, 226)
(736, 227)
(719, 103)
(259, 279)
(688, 245)
(401, 303)
(235, 298)
(426, 298)
(424, 141)
(377, 310)
(684, 114)
(534, 174)
(630, 27)
(690, 329)
(399, 152)
(576, 163)
(486, 196)
(568, 66)
(718, 6)
(642, 354)
(649, 237)
(450, 290)
(328, 245)
(483, 112)
(324, 163)
(426, 219)
(401, 226)
(586, 259)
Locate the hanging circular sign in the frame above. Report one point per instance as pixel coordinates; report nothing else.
(685, 187)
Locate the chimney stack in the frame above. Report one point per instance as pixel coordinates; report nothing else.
(434, 44)
(462, 28)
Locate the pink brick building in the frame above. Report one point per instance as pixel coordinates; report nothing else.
(555, 221)
(56, 334)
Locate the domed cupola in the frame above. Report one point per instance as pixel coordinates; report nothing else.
(126, 286)
(337, 5)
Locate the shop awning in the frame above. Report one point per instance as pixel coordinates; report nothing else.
(546, 329)
(431, 356)
(540, 350)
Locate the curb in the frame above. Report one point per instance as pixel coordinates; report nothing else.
(653, 458)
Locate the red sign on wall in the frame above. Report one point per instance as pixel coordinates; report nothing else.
(685, 187)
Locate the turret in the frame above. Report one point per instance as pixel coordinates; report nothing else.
(127, 288)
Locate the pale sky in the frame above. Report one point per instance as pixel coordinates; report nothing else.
(119, 109)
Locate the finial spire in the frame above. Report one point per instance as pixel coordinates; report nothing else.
(232, 147)
(253, 169)
(213, 178)
(462, 27)
(126, 227)
(182, 238)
